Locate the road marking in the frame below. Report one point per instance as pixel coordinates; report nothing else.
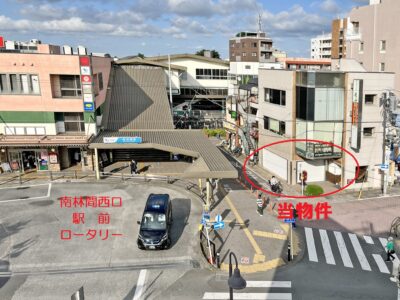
(384, 242)
(368, 239)
(260, 267)
(271, 235)
(312, 252)
(343, 250)
(246, 230)
(22, 186)
(140, 285)
(269, 284)
(330, 260)
(381, 264)
(398, 294)
(30, 198)
(249, 296)
(359, 252)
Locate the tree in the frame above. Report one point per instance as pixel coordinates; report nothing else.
(214, 53)
(141, 55)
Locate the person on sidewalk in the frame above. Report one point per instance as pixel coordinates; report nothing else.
(260, 204)
(133, 167)
(390, 249)
(295, 215)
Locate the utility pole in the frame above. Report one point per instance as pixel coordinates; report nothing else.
(170, 83)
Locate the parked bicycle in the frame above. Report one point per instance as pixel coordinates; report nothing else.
(237, 151)
(276, 187)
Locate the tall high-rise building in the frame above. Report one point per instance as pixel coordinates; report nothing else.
(339, 28)
(372, 37)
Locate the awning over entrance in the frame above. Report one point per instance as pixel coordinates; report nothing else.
(44, 141)
(208, 161)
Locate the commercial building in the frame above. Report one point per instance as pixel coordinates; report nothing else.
(299, 63)
(372, 38)
(321, 46)
(340, 106)
(50, 104)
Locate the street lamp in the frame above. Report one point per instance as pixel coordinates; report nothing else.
(235, 281)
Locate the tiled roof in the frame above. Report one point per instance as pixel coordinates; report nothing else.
(138, 99)
(212, 163)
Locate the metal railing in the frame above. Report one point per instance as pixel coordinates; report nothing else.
(395, 227)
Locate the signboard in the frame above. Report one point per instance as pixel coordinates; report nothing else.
(218, 218)
(85, 70)
(87, 89)
(289, 220)
(233, 114)
(1, 42)
(87, 98)
(356, 114)
(244, 260)
(88, 106)
(84, 61)
(86, 79)
(123, 140)
(219, 225)
(384, 167)
(53, 158)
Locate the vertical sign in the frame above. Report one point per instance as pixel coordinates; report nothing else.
(87, 83)
(1, 42)
(356, 114)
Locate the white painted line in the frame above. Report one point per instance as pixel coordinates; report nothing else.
(359, 252)
(343, 250)
(22, 186)
(368, 239)
(330, 260)
(269, 284)
(140, 285)
(398, 294)
(383, 243)
(312, 252)
(249, 296)
(30, 198)
(381, 264)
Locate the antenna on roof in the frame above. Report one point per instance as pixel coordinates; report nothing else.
(259, 23)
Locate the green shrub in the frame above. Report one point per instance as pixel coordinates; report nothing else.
(214, 132)
(313, 190)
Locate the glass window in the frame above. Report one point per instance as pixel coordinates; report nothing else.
(369, 99)
(361, 48)
(70, 86)
(383, 46)
(24, 84)
(34, 82)
(3, 83)
(14, 83)
(74, 122)
(244, 54)
(282, 127)
(362, 175)
(100, 78)
(382, 67)
(367, 131)
(266, 123)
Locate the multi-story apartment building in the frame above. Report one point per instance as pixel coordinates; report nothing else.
(321, 46)
(50, 105)
(201, 87)
(341, 106)
(247, 50)
(372, 38)
(339, 29)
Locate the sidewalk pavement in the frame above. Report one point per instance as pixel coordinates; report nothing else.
(259, 242)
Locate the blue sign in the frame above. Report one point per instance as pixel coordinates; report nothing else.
(218, 218)
(384, 167)
(206, 216)
(219, 225)
(122, 140)
(398, 120)
(88, 106)
(289, 220)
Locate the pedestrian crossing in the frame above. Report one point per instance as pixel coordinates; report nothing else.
(347, 249)
(250, 293)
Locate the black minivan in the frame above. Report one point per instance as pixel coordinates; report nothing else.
(156, 223)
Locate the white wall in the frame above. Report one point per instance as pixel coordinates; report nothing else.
(192, 65)
(240, 68)
(370, 153)
(50, 128)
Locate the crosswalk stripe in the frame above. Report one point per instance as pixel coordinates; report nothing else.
(269, 284)
(381, 264)
(383, 243)
(359, 252)
(327, 247)
(312, 252)
(368, 239)
(248, 296)
(343, 250)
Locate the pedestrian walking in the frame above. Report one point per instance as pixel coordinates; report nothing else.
(390, 249)
(260, 204)
(295, 215)
(133, 167)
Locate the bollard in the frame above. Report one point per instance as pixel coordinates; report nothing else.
(288, 254)
(76, 174)
(218, 260)
(51, 176)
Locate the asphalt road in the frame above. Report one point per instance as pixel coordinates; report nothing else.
(36, 263)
